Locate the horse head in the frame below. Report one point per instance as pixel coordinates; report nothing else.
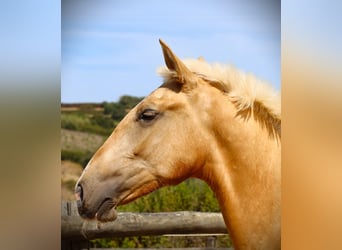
(159, 142)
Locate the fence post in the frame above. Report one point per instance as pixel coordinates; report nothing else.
(70, 209)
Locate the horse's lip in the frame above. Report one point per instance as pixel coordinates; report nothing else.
(104, 207)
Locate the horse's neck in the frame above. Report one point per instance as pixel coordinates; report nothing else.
(244, 171)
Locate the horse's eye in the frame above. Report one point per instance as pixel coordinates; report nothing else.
(148, 115)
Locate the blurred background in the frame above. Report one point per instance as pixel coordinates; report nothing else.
(31, 92)
(110, 53)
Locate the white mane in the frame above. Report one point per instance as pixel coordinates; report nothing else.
(244, 89)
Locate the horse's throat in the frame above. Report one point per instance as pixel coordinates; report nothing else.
(246, 180)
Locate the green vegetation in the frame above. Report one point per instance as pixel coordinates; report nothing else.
(81, 157)
(95, 119)
(91, 123)
(87, 118)
(222, 241)
(117, 110)
(84, 129)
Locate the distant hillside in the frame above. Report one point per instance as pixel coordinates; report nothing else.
(85, 126)
(81, 141)
(81, 106)
(82, 133)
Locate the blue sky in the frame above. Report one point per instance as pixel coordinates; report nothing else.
(111, 48)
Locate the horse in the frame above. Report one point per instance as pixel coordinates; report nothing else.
(207, 121)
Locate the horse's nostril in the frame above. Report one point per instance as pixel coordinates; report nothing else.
(79, 193)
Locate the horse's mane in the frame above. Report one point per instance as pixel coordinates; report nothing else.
(249, 94)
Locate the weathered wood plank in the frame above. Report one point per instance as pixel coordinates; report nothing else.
(188, 248)
(138, 224)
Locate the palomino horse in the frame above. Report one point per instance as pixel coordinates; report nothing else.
(211, 122)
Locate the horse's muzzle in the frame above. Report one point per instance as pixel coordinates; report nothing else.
(79, 199)
(102, 209)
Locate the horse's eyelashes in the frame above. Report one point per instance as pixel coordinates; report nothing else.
(148, 115)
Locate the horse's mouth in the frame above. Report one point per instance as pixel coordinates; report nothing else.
(106, 211)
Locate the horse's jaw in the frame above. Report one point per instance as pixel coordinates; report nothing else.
(140, 191)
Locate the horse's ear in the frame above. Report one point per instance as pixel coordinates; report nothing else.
(173, 63)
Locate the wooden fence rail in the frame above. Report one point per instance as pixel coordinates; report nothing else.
(138, 224)
(77, 232)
